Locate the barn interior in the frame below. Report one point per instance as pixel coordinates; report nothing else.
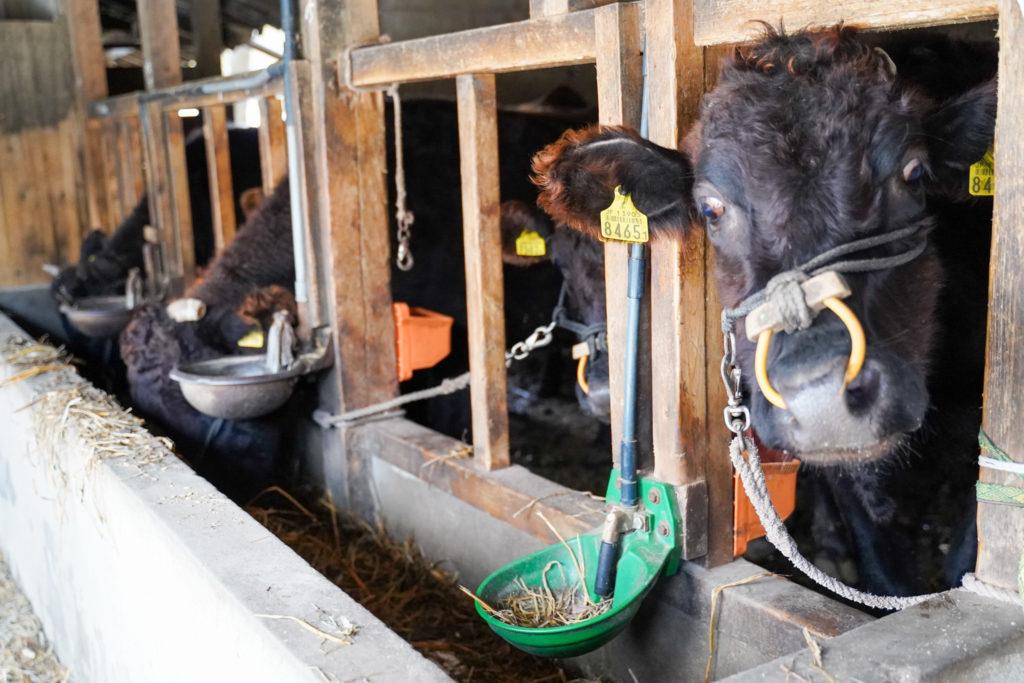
(266, 569)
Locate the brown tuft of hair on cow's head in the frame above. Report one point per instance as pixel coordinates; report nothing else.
(261, 304)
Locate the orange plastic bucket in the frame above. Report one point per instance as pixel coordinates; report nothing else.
(781, 479)
(422, 338)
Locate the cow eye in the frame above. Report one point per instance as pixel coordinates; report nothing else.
(711, 208)
(913, 171)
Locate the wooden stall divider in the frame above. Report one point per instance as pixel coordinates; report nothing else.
(273, 147)
(485, 298)
(1001, 527)
(618, 39)
(218, 164)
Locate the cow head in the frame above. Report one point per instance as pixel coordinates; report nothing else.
(809, 141)
(581, 263)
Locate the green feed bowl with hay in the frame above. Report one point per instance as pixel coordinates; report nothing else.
(545, 587)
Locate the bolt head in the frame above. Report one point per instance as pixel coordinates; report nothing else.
(654, 496)
(663, 529)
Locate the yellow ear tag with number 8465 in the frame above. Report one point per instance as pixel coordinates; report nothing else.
(622, 221)
(530, 243)
(982, 179)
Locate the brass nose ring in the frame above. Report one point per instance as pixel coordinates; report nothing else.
(855, 363)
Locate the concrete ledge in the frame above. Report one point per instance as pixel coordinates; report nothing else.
(668, 641)
(958, 636)
(144, 572)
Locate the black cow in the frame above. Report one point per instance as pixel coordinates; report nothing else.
(254, 275)
(810, 141)
(105, 261)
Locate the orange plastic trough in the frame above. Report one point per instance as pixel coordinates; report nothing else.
(422, 338)
(781, 479)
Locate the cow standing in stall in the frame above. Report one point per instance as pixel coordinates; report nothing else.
(253, 278)
(104, 261)
(811, 141)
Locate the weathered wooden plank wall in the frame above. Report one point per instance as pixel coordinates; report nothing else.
(43, 209)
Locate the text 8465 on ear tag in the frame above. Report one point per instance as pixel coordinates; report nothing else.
(622, 221)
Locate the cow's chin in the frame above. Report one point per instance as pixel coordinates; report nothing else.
(860, 455)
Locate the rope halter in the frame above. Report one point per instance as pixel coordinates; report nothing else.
(593, 339)
(792, 300)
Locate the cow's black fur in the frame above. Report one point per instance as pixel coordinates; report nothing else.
(105, 261)
(805, 143)
(261, 256)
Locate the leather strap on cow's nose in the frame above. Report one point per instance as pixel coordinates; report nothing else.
(792, 299)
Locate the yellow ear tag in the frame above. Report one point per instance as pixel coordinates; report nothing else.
(530, 243)
(252, 340)
(622, 221)
(982, 179)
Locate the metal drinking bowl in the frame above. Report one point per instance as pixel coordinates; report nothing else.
(235, 387)
(98, 316)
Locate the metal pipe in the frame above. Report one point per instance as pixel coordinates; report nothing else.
(299, 246)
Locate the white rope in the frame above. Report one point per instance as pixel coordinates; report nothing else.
(972, 583)
(752, 476)
(403, 217)
(754, 484)
(1001, 465)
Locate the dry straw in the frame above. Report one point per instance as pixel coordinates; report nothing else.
(412, 595)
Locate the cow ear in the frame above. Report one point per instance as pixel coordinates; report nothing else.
(578, 174)
(959, 133)
(524, 234)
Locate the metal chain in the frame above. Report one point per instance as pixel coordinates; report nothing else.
(540, 337)
(737, 415)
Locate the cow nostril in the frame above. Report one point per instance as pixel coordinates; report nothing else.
(863, 391)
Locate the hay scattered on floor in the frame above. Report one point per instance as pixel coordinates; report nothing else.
(70, 403)
(394, 581)
(25, 653)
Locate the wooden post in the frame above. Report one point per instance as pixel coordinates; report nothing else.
(619, 89)
(485, 306)
(683, 411)
(345, 174)
(273, 147)
(90, 69)
(1001, 527)
(167, 177)
(218, 163)
(207, 37)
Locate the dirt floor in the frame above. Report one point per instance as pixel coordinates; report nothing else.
(412, 595)
(25, 652)
(557, 441)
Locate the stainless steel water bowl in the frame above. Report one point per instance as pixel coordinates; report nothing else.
(98, 316)
(235, 387)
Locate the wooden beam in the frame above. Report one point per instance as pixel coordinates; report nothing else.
(513, 494)
(619, 89)
(218, 164)
(550, 8)
(345, 175)
(718, 469)
(729, 21)
(485, 304)
(273, 147)
(1001, 527)
(519, 46)
(161, 52)
(207, 36)
(680, 405)
(90, 69)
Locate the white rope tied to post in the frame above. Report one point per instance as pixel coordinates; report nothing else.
(403, 217)
(1001, 465)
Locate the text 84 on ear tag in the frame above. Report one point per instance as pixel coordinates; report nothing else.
(982, 179)
(530, 243)
(622, 221)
